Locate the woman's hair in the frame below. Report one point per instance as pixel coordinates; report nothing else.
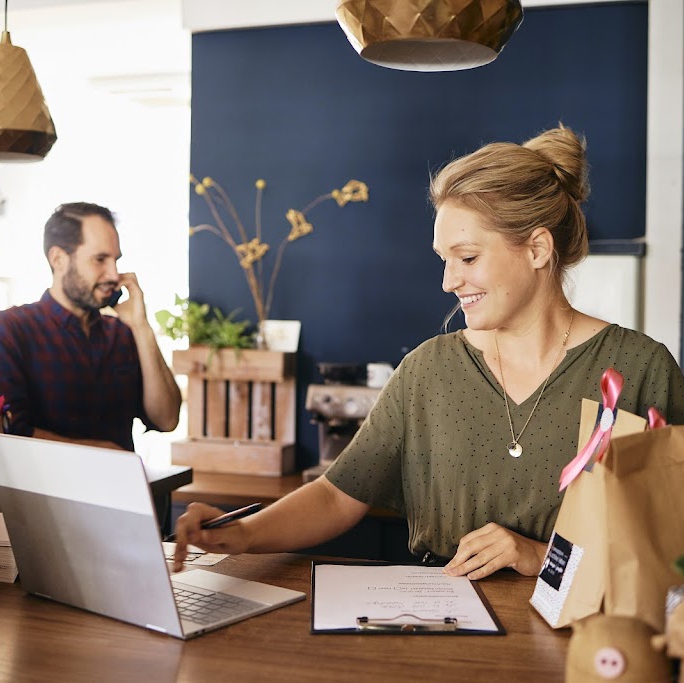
(519, 188)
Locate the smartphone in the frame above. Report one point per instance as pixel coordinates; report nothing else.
(114, 298)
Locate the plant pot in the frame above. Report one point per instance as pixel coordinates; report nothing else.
(241, 402)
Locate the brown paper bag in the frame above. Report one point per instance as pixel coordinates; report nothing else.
(644, 494)
(572, 581)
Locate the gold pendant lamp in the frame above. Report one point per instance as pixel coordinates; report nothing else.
(27, 132)
(429, 35)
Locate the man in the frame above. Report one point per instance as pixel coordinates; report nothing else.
(70, 373)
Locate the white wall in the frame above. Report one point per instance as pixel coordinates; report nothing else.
(665, 174)
(112, 149)
(127, 151)
(608, 287)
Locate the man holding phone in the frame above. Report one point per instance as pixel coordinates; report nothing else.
(71, 373)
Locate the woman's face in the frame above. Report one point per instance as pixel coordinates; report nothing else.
(493, 280)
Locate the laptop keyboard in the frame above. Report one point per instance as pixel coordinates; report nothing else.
(207, 607)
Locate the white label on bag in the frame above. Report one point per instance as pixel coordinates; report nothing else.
(555, 578)
(607, 419)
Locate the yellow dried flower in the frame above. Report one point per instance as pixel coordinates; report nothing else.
(251, 251)
(300, 226)
(353, 191)
(248, 251)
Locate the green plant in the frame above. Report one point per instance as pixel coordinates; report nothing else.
(203, 325)
(679, 565)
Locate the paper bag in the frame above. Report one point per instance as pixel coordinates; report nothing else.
(644, 486)
(619, 529)
(571, 583)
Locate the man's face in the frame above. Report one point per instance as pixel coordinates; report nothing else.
(91, 274)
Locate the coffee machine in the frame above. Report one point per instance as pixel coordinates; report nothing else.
(338, 406)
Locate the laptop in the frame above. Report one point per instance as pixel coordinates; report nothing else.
(84, 532)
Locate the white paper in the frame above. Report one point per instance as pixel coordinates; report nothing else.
(344, 592)
(195, 557)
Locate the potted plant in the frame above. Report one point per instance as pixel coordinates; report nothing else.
(205, 326)
(241, 400)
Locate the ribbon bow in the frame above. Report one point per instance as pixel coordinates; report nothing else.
(656, 419)
(611, 386)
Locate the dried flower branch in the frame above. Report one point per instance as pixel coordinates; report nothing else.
(252, 251)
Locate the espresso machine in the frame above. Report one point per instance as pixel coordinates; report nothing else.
(338, 406)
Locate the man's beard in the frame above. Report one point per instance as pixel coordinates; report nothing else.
(77, 291)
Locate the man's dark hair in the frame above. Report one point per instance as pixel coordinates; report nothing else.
(65, 227)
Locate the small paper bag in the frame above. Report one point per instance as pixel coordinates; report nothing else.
(644, 492)
(621, 523)
(572, 581)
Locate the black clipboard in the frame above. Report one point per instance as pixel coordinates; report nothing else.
(401, 624)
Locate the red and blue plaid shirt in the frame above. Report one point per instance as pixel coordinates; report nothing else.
(56, 378)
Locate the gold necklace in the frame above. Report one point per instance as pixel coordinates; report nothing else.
(514, 448)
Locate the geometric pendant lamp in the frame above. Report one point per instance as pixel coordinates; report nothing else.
(429, 35)
(27, 131)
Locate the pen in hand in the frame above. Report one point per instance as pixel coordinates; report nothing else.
(222, 520)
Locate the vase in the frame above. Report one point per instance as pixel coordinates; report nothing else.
(278, 335)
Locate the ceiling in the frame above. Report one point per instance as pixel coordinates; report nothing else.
(143, 47)
(134, 48)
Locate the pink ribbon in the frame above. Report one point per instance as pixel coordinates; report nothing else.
(656, 419)
(611, 386)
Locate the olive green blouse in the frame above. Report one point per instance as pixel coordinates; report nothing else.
(434, 446)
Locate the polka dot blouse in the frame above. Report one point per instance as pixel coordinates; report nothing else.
(434, 446)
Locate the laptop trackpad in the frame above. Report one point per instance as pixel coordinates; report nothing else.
(250, 590)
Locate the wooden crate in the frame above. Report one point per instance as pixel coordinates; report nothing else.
(241, 411)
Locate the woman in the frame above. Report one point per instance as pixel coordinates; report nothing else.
(469, 436)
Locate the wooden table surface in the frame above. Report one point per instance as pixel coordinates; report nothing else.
(45, 641)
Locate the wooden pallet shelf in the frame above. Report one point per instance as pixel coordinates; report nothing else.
(241, 411)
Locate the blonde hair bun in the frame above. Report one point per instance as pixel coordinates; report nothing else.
(566, 152)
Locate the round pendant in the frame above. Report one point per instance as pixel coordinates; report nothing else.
(515, 449)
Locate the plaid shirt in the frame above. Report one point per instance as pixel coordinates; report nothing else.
(56, 378)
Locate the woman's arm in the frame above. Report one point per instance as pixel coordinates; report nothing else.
(314, 513)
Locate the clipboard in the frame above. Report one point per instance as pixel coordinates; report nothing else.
(381, 598)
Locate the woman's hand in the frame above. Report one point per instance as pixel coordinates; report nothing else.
(492, 547)
(310, 515)
(228, 539)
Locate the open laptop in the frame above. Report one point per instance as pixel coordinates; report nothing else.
(83, 529)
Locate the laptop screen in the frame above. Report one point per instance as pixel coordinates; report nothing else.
(83, 529)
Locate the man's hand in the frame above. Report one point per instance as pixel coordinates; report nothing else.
(161, 395)
(493, 547)
(132, 311)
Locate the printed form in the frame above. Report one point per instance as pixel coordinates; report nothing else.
(408, 593)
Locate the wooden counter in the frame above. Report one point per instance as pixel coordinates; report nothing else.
(46, 641)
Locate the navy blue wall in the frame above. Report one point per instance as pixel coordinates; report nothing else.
(299, 108)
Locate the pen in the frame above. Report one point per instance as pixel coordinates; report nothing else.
(222, 520)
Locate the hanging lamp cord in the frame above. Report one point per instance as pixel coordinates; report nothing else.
(6, 1)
